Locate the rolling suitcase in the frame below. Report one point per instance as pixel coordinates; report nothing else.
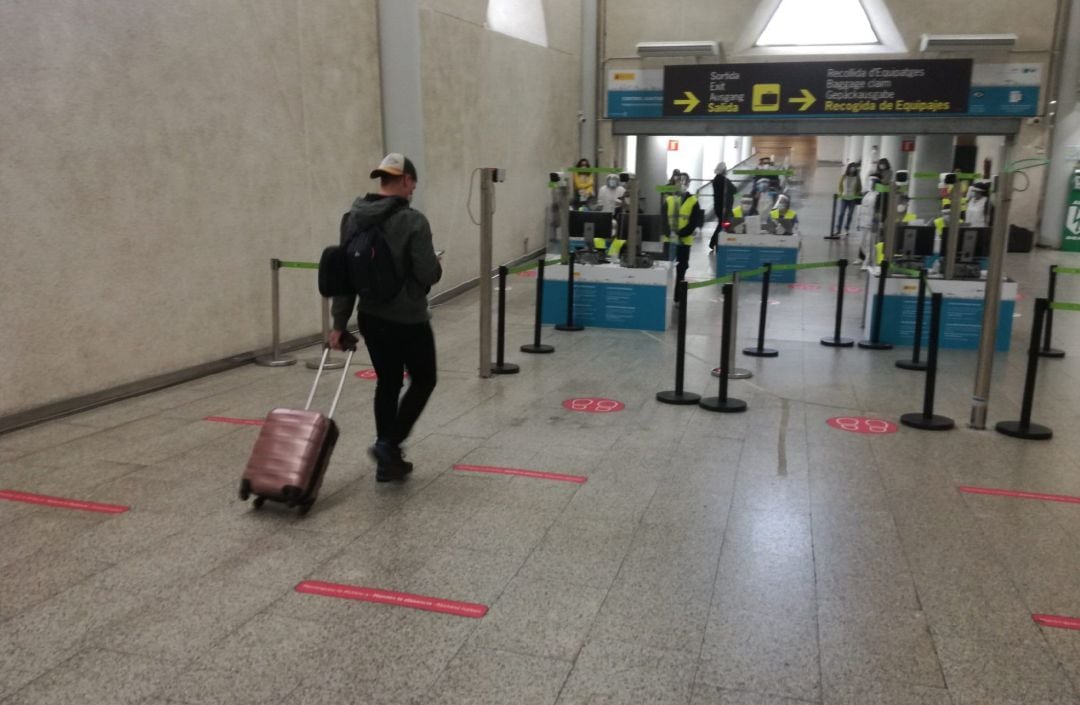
(292, 451)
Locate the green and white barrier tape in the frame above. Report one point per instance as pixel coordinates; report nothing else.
(532, 265)
(667, 189)
(1067, 270)
(881, 188)
(1064, 306)
(728, 278)
(903, 270)
(299, 265)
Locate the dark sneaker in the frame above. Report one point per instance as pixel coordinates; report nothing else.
(391, 465)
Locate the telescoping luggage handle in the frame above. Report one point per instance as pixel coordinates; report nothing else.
(341, 382)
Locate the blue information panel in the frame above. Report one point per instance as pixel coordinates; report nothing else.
(961, 322)
(607, 305)
(737, 258)
(635, 104)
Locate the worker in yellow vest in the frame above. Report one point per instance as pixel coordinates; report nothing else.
(737, 222)
(942, 221)
(782, 219)
(680, 217)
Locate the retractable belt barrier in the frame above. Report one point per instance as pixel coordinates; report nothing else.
(275, 358)
(1051, 292)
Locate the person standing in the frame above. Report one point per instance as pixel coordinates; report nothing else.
(397, 333)
(723, 200)
(849, 191)
(681, 215)
(584, 184)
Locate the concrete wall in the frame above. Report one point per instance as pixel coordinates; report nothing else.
(492, 100)
(156, 156)
(830, 149)
(164, 152)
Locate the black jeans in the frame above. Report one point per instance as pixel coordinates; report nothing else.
(394, 349)
(848, 207)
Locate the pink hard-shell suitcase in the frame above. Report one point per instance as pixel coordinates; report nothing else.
(292, 451)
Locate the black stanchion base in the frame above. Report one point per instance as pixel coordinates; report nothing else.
(569, 327)
(932, 423)
(538, 349)
(507, 368)
(1051, 352)
(673, 397)
(1031, 432)
(760, 352)
(726, 406)
(871, 345)
(838, 342)
(919, 366)
(832, 237)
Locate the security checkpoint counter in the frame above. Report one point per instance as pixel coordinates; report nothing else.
(740, 252)
(961, 310)
(611, 296)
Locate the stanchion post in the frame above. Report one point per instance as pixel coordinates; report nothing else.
(761, 350)
(874, 343)
(1024, 428)
(1051, 293)
(570, 325)
(536, 346)
(916, 347)
(734, 372)
(722, 403)
(678, 396)
(836, 341)
(275, 358)
(331, 363)
(501, 367)
(834, 232)
(927, 420)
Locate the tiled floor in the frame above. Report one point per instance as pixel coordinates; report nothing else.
(756, 559)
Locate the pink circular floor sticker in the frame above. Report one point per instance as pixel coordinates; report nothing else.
(528, 274)
(847, 289)
(593, 405)
(862, 424)
(805, 287)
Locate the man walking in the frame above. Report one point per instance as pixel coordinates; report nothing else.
(397, 333)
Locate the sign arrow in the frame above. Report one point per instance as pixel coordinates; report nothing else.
(807, 100)
(690, 102)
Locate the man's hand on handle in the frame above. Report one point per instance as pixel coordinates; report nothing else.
(342, 340)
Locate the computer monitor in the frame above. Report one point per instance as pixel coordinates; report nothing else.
(974, 243)
(648, 227)
(915, 241)
(590, 224)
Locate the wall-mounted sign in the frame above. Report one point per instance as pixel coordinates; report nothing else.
(634, 92)
(673, 145)
(819, 89)
(907, 145)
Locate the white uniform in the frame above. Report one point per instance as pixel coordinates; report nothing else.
(608, 197)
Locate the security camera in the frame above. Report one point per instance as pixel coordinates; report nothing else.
(625, 177)
(1034, 120)
(901, 176)
(557, 177)
(581, 117)
(948, 178)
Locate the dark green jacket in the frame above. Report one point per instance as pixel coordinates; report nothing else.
(409, 238)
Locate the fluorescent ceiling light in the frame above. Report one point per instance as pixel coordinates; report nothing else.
(704, 48)
(818, 23)
(965, 42)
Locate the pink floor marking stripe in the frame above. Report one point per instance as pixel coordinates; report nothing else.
(523, 473)
(62, 503)
(389, 597)
(1055, 620)
(229, 419)
(1021, 495)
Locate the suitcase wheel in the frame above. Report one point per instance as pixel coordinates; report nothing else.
(259, 501)
(292, 495)
(306, 507)
(245, 490)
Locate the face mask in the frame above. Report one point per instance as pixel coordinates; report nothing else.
(612, 183)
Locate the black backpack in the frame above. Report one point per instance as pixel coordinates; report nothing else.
(362, 266)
